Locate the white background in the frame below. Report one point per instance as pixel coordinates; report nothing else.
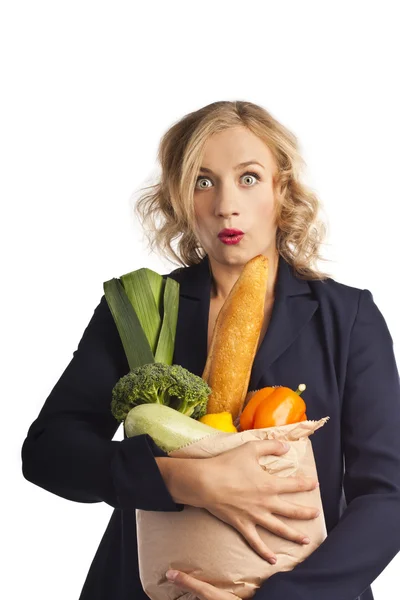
(88, 88)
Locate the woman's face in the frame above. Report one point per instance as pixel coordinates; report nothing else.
(228, 196)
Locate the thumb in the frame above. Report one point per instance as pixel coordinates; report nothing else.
(187, 583)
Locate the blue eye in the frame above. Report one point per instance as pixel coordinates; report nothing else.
(247, 173)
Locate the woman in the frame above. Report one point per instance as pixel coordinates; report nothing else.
(316, 330)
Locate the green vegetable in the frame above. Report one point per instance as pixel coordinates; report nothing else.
(136, 346)
(144, 306)
(169, 429)
(155, 397)
(170, 385)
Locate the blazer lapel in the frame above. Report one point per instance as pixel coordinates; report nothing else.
(292, 310)
(192, 327)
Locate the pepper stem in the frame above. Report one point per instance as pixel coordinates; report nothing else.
(301, 388)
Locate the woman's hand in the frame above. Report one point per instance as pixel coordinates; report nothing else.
(236, 489)
(202, 589)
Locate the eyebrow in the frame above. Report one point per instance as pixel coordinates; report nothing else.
(239, 166)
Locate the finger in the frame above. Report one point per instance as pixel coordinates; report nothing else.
(296, 484)
(263, 447)
(251, 535)
(279, 528)
(202, 589)
(294, 511)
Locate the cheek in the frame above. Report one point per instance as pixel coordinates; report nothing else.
(198, 209)
(201, 220)
(265, 212)
(201, 213)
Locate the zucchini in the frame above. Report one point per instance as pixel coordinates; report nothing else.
(169, 428)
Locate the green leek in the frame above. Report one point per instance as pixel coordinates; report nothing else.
(145, 309)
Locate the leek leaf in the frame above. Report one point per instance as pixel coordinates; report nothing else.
(166, 342)
(137, 349)
(157, 283)
(144, 291)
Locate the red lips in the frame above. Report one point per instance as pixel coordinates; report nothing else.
(228, 232)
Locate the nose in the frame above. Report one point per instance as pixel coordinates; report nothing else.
(225, 203)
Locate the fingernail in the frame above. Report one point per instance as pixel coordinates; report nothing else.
(170, 574)
(272, 560)
(306, 541)
(285, 445)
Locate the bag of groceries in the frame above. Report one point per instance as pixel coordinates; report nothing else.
(196, 542)
(199, 417)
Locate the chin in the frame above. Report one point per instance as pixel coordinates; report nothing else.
(234, 258)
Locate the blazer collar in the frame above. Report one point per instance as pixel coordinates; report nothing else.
(293, 308)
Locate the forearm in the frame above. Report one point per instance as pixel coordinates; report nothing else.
(67, 459)
(71, 458)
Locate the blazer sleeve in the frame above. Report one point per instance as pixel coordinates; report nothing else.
(367, 536)
(69, 449)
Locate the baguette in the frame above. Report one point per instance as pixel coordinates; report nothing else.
(235, 338)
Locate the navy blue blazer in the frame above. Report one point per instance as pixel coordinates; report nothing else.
(326, 334)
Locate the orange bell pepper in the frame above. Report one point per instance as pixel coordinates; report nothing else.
(274, 406)
(247, 414)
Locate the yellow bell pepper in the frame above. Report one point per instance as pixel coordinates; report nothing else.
(222, 421)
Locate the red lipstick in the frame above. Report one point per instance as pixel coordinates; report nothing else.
(230, 236)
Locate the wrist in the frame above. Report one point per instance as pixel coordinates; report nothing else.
(185, 479)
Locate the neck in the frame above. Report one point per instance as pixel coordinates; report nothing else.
(224, 277)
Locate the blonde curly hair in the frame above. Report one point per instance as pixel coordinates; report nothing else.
(300, 231)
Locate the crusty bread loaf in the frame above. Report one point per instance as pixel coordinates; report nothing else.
(235, 339)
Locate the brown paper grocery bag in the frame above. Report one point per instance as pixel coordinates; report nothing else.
(198, 543)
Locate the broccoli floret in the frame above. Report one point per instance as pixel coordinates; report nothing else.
(171, 385)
